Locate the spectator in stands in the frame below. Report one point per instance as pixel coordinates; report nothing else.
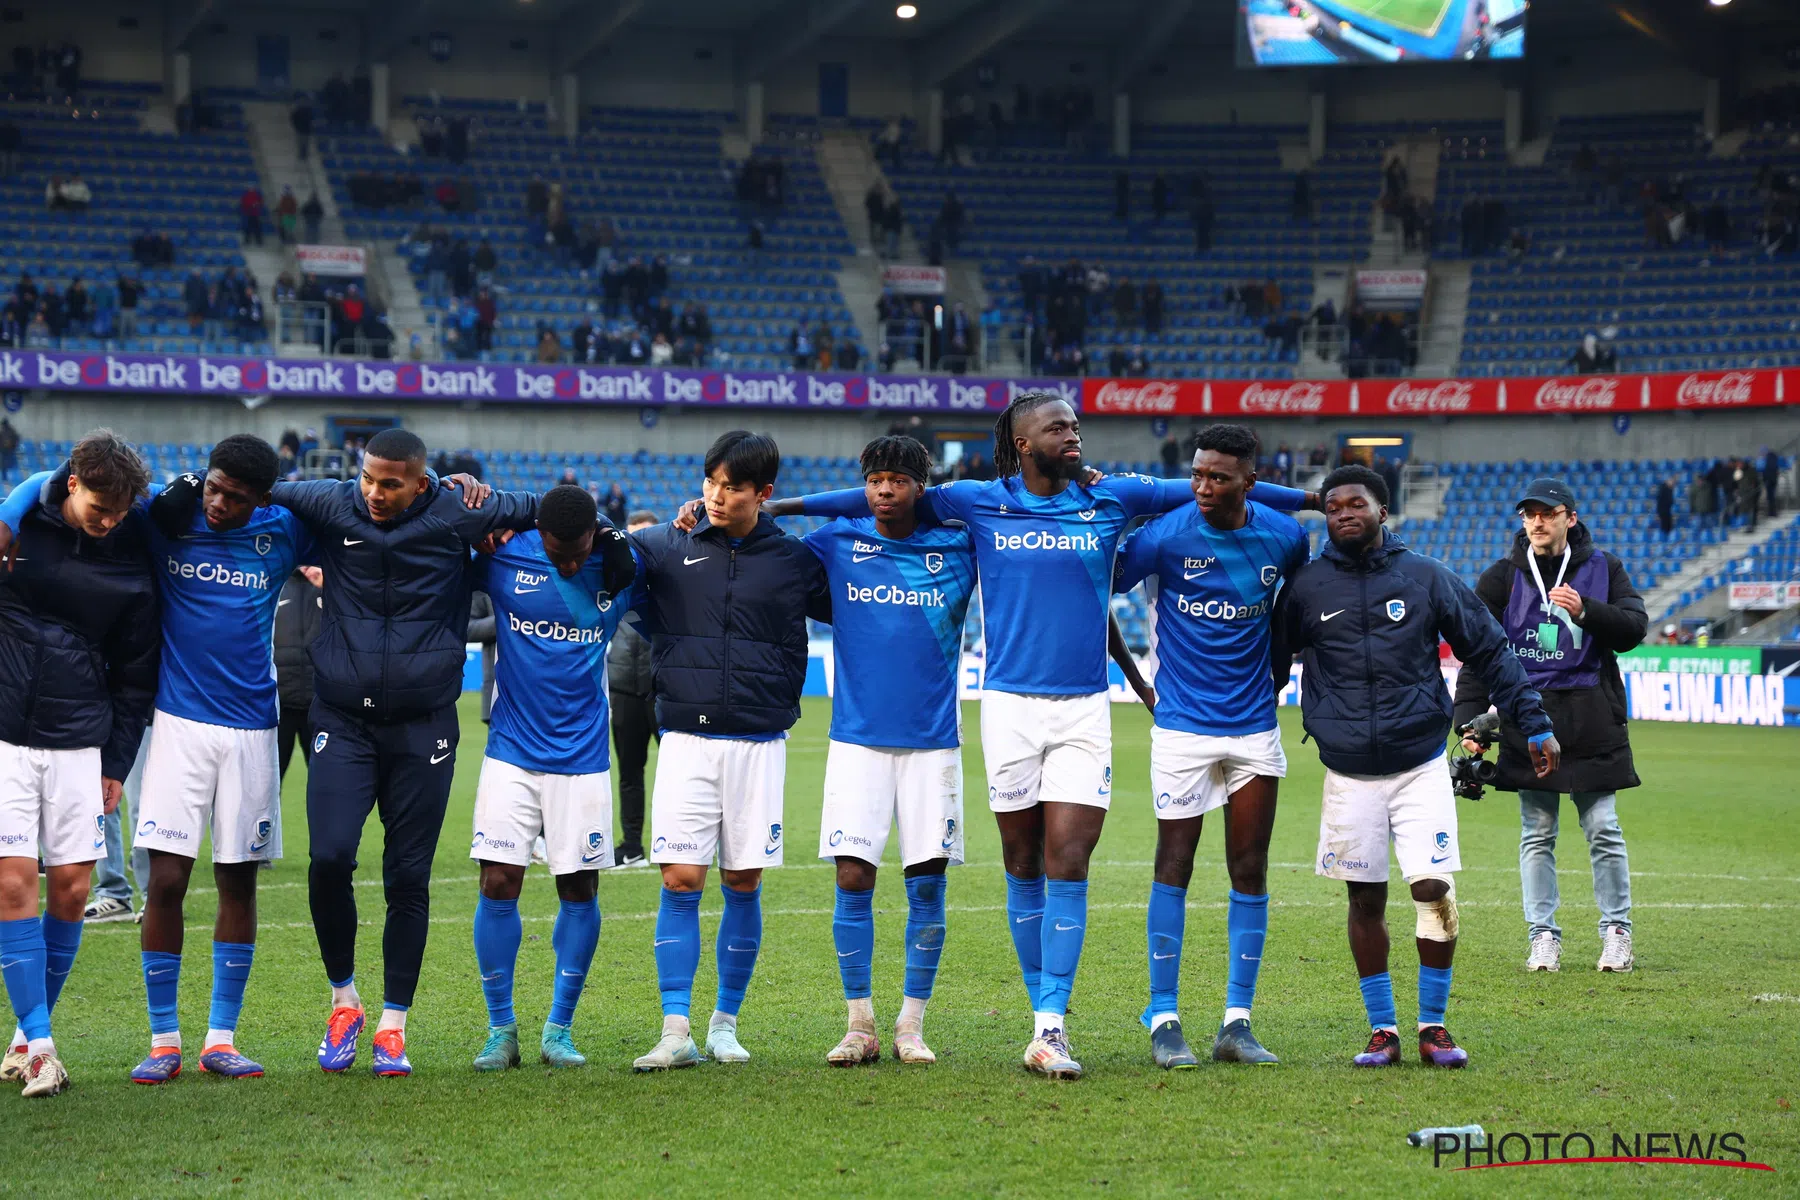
(1748, 487)
(612, 288)
(634, 346)
(661, 318)
(459, 265)
(1771, 478)
(1716, 223)
(1302, 204)
(300, 117)
(888, 142)
(1282, 466)
(487, 315)
(1271, 297)
(1285, 330)
(1159, 197)
(1033, 283)
(1389, 471)
(1200, 213)
(1121, 195)
(1592, 357)
(961, 336)
(1125, 302)
(485, 262)
(582, 341)
(1124, 365)
(1518, 245)
(1171, 454)
(951, 216)
(250, 214)
(800, 347)
(287, 216)
(195, 297)
(1394, 179)
(1665, 507)
(662, 351)
(248, 316)
(616, 502)
(1152, 302)
(875, 207)
(849, 355)
(77, 311)
(130, 290)
(893, 222)
(312, 214)
(1719, 478)
(1099, 288)
(75, 194)
(694, 324)
(12, 140)
(9, 450)
(447, 196)
(550, 350)
(1584, 169)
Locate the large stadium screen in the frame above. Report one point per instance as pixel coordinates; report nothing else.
(1306, 33)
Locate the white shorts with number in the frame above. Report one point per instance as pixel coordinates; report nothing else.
(572, 812)
(870, 788)
(1416, 808)
(201, 778)
(1193, 773)
(51, 806)
(1047, 748)
(718, 796)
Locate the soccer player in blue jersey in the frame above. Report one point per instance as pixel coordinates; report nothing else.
(1212, 570)
(1044, 547)
(548, 768)
(211, 766)
(899, 596)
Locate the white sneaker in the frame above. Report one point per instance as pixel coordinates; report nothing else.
(12, 1066)
(106, 909)
(722, 1043)
(910, 1047)
(1615, 950)
(1546, 952)
(44, 1076)
(672, 1052)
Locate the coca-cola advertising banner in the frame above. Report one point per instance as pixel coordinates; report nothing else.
(209, 375)
(1428, 397)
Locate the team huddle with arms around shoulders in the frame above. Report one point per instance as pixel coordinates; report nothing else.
(130, 611)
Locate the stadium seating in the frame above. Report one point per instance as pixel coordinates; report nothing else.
(660, 177)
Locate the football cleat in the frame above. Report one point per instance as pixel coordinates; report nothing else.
(1236, 1043)
(1615, 950)
(1048, 1055)
(1438, 1049)
(723, 1045)
(858, 1047)
(338, 1051)
(163, 1065)
(12, 1065)
(107, 909)
(1169, 1050)
(501, 1050)
(671, 1053)
(557, 1047)
(44, 1076)
(627, 857)
(1546, 952)
(1383, 1050)
(910, 1047)
(390, 1054)
(227, 1063)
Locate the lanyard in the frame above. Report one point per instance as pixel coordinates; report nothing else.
(1538, 578)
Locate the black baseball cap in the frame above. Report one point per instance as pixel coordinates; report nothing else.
(1545, 490)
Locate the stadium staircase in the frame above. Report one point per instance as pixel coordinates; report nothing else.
(848, 169)
(1441, 337)
(276, 154)
(1387, 245)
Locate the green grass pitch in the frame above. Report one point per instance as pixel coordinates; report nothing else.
(1683, 1045)
(1415, 16)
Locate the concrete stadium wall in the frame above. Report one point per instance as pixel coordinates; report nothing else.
(678, 431)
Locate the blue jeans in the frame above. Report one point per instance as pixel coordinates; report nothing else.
(109, 872)
(1606, 850)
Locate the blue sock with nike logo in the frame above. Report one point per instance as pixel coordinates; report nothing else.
(1025, 917)
(497, 936)
(1246, 929)
(677, 949)
(1165, 926)
(61, 940)
(574, 937)
(853, 933)
(740, 937)
(924, 933)
(1065, 925)
(22, 966)
(162, 980)
(231, 973)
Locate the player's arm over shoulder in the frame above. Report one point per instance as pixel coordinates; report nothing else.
(318, 502)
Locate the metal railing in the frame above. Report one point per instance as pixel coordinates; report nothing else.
(302, 324)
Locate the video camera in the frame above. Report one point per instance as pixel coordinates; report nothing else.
(1469, 773)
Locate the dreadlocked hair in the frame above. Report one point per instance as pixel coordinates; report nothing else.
(1006, 453)
(897, 452)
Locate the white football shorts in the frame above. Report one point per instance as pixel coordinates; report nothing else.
(1193, 773)
(870, 788)
(1415, 808)
(202, 778)
(572, 812)
(718, 796)
(51, 806)
(1046, 748)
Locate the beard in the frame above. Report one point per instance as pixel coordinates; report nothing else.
(1055, 466)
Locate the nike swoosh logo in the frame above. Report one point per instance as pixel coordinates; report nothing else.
(741, 949)
(926, 949)
(164, 971)
(1440, 858)
(229, 963)
(1032, 917)
(519, 591)
(663, 942)
(856, 558)
(1247, 958)
(283, 603)
(1328, 616)
(438, 758)
(1160, 957)
(357, 542)
(688, 562)
(10, 963)
(1061, 928)
(573, 974)
(1196, 574)
(845, 953)
(491, 978)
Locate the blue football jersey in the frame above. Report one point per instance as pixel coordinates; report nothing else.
(897, 609)
(1211, 592)
(551, 634)
(219, 595)
(1046, 565)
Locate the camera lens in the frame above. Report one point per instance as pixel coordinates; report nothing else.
(1486, 771)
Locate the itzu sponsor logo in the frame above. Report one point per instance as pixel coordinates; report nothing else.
(1733, 387)
(1297, 397)
(1596, 393)
(858, 546)
(1041, 539)
(1153, 397)
(1446, 396)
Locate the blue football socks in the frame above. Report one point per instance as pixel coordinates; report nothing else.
(1246, 929)
(924, 933)
(853, 933)
(1434, 994)
(162, 980)
(1025, 917)
(497, 936)
(740, 937)
(22, 966)
(231, 973)
(61, 940)
(1378, 999)
(1064, 928)
(677, 947)
(574, 938)
(1165, 926)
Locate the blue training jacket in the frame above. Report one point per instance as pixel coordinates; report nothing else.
(1367, 630)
